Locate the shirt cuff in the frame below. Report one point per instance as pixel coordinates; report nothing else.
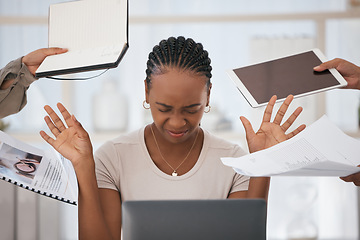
(12, 67)
(20, 70)
(24, 75)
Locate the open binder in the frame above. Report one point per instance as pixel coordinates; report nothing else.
(95, 32)
(43, 172)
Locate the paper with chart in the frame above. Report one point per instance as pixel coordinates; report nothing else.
(322, 149)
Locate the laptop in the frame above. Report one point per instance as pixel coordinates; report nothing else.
(228, 219)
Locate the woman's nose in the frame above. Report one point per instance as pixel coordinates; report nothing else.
(177, 121)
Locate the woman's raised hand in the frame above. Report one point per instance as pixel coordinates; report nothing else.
(271, 133)
(73, 141)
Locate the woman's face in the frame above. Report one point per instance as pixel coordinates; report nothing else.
(177, 99)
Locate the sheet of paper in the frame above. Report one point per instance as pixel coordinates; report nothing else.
(101, 24)
(41, 171)
(322, 149)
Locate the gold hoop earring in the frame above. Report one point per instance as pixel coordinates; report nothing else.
(144, 106)
(207, 110)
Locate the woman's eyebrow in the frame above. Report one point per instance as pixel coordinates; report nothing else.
(168, 106)
(163, 104)
(193, 105)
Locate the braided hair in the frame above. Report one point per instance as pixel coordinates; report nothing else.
(180, 53)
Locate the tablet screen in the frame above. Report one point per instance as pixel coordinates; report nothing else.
(289, 75)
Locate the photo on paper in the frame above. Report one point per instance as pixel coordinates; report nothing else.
(18, 165)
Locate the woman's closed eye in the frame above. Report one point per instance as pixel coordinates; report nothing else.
(191, 111)
(164, 110)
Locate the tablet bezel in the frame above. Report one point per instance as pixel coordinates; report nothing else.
(252, 101)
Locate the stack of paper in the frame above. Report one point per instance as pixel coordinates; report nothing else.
(322, 149)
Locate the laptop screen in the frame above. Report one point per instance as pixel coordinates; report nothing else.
(194, 219)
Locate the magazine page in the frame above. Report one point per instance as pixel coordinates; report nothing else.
(44, 172)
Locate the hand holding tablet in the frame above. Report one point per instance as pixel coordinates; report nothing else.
(292, 74)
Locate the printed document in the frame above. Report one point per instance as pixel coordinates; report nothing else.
(322, 149)
(43, 172)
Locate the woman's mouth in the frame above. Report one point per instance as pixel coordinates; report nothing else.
(177, 134)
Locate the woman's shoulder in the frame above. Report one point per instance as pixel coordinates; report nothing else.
(130, 138)
(215, 141)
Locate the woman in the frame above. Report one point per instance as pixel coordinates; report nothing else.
(172, 158)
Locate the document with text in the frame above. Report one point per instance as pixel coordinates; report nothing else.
(44, 172)
(322, 149)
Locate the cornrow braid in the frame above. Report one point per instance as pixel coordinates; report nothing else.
(181, 53)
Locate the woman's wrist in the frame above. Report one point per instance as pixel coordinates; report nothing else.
(84, 168)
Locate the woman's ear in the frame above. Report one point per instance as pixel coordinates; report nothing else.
(146, 91)
(208, 94)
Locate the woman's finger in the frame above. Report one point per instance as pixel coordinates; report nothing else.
(291, 119)
(65, 113)
(334, 63)
(282, 110)
(81, 132)
(355, 178)
(55, 119)
(55, 131)
(248, 128)
(296, 131)
(269, 109)
(47, 138)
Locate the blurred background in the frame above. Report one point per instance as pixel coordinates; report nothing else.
(236, 33)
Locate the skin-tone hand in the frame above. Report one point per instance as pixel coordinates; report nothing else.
(72, 142)
(351, 74)
(354, 178)
(271, 133)
(348, 70)
(33, 61)
(35, 58)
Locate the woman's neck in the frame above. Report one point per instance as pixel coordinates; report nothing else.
(169, 156)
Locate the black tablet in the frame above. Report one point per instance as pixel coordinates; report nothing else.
(292, 74)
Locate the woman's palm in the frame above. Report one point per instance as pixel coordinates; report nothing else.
(271, 133)
(72, 142)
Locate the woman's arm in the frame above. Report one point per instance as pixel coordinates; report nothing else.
(269, 134)
(99, 210)
(258, 188)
